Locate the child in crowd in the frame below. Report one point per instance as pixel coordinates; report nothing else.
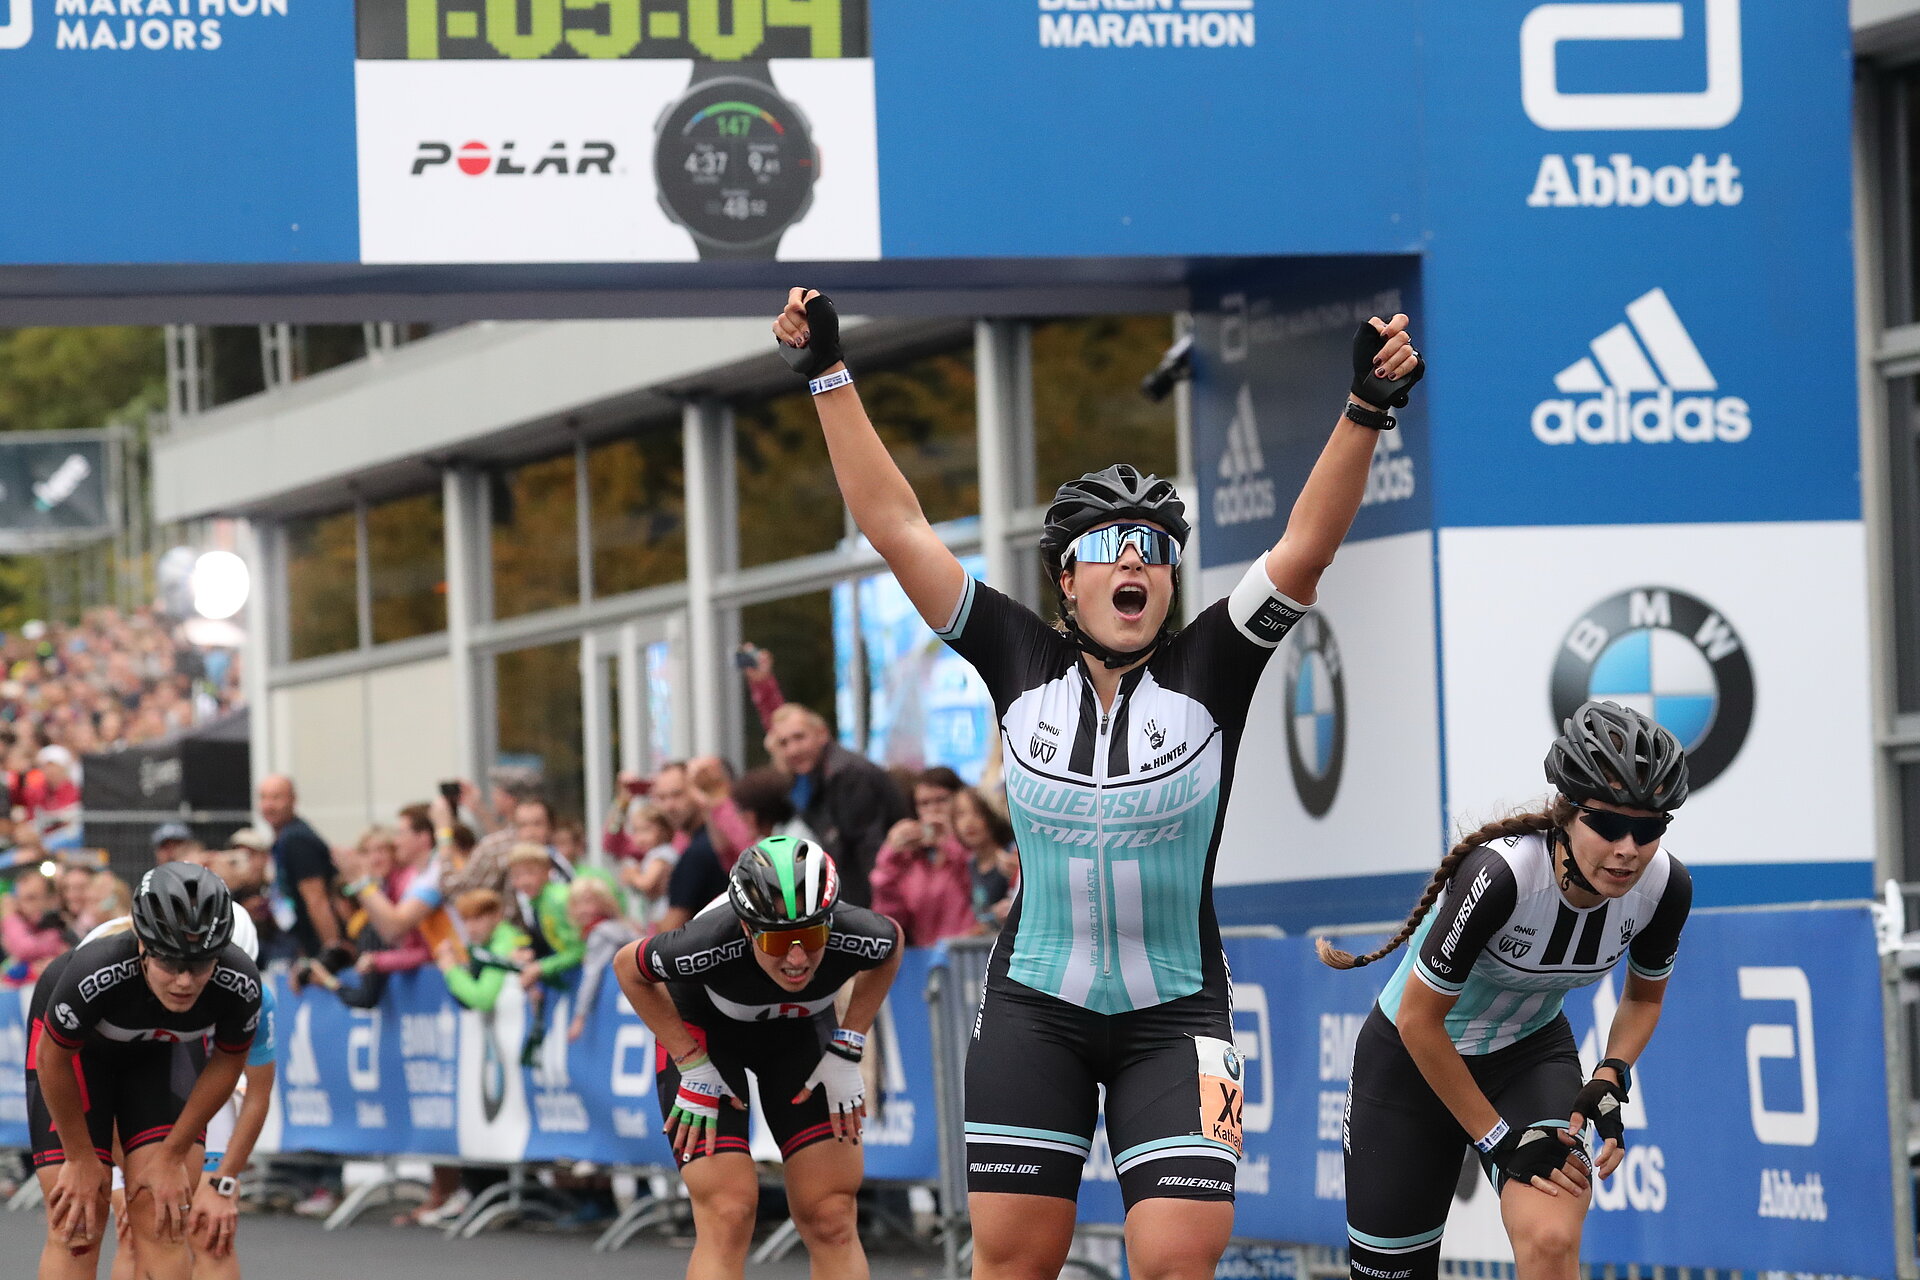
(595, 912)
(477, 983)
(647, 875)
(554, 948)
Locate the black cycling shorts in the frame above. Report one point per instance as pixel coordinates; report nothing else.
(1174, 1097)
(1404, 1148)
(137, 1089)
(781, 1053)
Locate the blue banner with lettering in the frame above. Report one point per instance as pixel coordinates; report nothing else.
(1757, 1137)
(420, 1074)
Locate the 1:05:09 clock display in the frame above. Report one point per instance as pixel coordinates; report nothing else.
(712, 30)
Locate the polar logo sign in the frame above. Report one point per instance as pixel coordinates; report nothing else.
(1552, 25)
(1317, 699)
(1643, 382)
(1151, 24)
(18, 28)
(1247, 492)
(477, 158)
(1668, 655)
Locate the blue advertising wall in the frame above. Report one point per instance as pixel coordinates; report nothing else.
(156, 132)
(1757, 1136)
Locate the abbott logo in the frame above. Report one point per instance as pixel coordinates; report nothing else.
(1551, 25)
(1799, 1127)
(1637, 379)
(1246, 492)
(18, 28)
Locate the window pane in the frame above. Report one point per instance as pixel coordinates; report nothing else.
(925, 411)
(1910, 826)
(1902, 200)
(637, 492)
(233, 352)
(789, 504)
(536, 552)
(322, 597)
(1903, 477)
(798, 631)
(1088, 412)
(328, 346)
(540, 728)
(406, 567)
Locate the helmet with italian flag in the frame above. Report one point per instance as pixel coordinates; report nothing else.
(783, 882)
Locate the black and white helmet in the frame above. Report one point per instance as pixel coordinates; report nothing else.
(182, 911)
(1609, 752)
(1101, 497)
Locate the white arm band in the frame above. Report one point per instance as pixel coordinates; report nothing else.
(1261, 610)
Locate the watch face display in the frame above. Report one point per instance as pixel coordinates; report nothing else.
(735, 163)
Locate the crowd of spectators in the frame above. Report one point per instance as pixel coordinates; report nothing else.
(111, 681)
(494, 887)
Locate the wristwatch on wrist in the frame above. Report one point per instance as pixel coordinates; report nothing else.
(1624, 1071)
(226, 1186)
(734, 161)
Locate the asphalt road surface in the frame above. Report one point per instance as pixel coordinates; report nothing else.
(282, 1247)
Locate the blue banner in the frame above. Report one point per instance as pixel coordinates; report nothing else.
(1273, 356)
(1643, 277)
(421, 1075)
(1757, 1137)
(13, 1066)
(217, 132)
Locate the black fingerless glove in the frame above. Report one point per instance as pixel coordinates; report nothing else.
(1381, 393)
(1600, 1103)
(1534, 1152)
(822, 351)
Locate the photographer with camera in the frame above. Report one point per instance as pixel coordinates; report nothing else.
(32, 931)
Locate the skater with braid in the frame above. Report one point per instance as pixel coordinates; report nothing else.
(1468, 1042)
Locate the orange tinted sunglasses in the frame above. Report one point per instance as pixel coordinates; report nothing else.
(777, 942)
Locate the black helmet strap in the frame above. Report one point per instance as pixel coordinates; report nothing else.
(1112, 659)
(1571, 877)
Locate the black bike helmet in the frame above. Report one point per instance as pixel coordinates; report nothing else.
(1609, 752)
(1101, 497)
(783, 882)
(182, 911)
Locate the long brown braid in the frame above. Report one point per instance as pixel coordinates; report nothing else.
(1536, 822)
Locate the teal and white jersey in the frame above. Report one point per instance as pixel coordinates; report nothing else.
(1117, 813)
(1509, 947)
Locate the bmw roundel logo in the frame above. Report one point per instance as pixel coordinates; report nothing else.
(1668, 655)
(1317, 703)
(1231, 1059)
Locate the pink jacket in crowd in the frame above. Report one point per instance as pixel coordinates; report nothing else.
(930, 901)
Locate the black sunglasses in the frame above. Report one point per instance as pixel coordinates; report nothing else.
(1610, 826)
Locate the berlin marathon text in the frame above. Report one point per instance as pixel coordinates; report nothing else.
(1142, 30)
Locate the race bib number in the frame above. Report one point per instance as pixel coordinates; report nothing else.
(1223, 1095)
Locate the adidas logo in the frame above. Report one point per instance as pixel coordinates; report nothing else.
(1638, 379)
(1643, 382)
(1247, 493)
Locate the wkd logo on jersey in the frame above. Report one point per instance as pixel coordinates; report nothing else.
(1668, 655)
(1645, 381)
(1247, 492)
(1317, 744)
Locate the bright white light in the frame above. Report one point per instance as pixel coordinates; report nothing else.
(48, 868)
(220, 583)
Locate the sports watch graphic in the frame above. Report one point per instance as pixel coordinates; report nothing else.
(734, 161)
